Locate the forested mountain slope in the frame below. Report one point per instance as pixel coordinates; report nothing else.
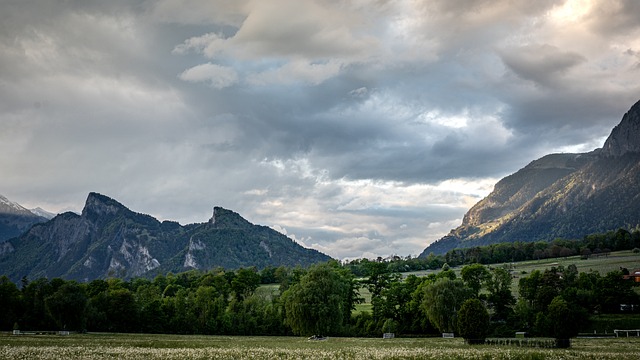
(560, 195)
(109, 240)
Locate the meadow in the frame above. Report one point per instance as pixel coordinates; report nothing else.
(140, 346)
(601, 264)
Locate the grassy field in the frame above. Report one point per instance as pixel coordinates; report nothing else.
(601, 264)
(137, 346)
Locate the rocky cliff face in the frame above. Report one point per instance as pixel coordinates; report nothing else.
(109, 240)
(625, 138)
(560, 195)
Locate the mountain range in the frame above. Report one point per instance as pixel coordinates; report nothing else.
(15, 219)
(109, 240)
(559, 196)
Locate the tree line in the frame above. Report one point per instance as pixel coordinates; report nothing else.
(321, 301)
(594, 245)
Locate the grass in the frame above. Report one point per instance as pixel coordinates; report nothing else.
(601, 264)
(141, 346)
(268, 291)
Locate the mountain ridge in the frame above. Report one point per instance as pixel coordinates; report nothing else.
(559, 195)
(109, 240)
(15, 219)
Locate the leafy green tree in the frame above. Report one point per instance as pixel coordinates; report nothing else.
(499, 295)
(36, 315)
(523, 316)
(612, 290)
(121, 310)
(9, 303)
(562, 322)
(474, 276)
(218, 281)
(245, 283)
(149, 308)
(473, 321)
(393, 302)
(268, 275)
(315, 305)
(352, 296)
(67, 306)
(378, 283)
(539, 288)
(442, 300)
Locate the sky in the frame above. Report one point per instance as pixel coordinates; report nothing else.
(359, 128)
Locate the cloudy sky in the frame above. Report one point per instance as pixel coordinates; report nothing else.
(358, 128)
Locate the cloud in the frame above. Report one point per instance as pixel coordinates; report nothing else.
(215, 75)
(230, 13)
(297, 72)
(615, 18)
(544, 65)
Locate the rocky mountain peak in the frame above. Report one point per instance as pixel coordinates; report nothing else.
(223, 218)
(99, 205)
(10, 207)
(43, 213)
(625, 137)
(15, 219)
(559, 196)
(109, 240)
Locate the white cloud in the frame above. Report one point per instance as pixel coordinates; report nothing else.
(216, 76)
(211, 45)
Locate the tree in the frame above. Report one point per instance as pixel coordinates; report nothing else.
(149, 301)
(612, 290)
(121, 310)
(378, 283)
(474, 276)
(67, 306)
(563, 321)
(473, 321)
(36, 315)
(245, 282)
(442, 301)
(9, 303)
(499, 288)
(315, 305)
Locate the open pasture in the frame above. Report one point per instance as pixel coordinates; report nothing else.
(140, 346)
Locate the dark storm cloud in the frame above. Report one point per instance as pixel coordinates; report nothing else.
(544, 65)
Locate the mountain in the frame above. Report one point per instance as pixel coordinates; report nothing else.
(43, 213)
(15, 219)
(109, 240)
(560, 196)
